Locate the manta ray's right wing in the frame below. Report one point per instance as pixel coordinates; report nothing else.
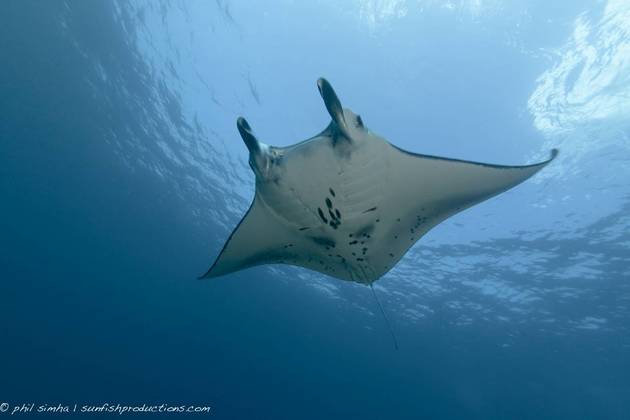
(443, 187)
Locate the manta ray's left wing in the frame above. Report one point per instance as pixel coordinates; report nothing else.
(258, 239)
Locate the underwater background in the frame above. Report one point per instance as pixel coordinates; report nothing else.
(122, 174)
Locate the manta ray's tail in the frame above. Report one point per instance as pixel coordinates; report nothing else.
(389, 327)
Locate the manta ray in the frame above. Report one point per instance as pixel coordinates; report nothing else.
(349, 204)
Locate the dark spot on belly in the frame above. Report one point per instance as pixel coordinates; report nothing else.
(338, 213)
(352, 242)
(360, 259)
(332, 192)
(369, 210)
(328, 203)
(365, 231)
(324, 241)
(332, 215)
(304, 228)
(391, 255)
(321, 214)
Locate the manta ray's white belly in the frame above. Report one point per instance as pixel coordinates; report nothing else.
(330, 203)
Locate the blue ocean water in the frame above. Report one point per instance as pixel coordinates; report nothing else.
(122, 174)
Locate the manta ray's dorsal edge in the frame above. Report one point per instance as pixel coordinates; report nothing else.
(348, 203)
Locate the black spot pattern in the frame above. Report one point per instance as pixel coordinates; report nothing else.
(357, 250)
(321, 214)
(420, 220)
(324, 241)
(365, 231)
(334, 213)
(414, 230)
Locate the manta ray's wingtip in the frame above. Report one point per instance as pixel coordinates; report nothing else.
(554, 153)
(207, 275)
